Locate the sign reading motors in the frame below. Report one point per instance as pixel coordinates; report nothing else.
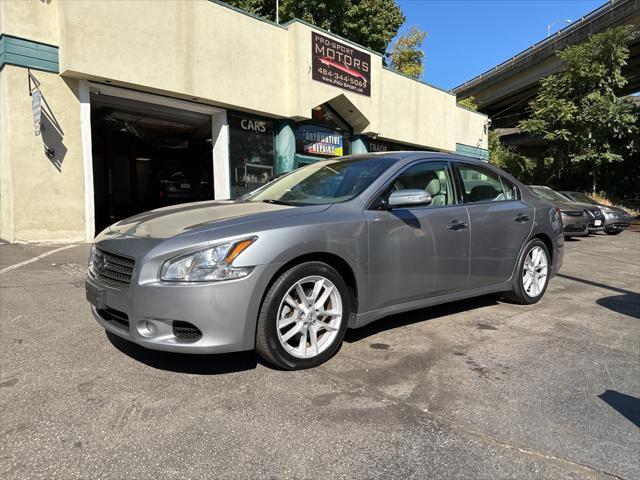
(340, 65)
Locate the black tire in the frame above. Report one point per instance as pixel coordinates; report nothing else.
(268, 345)
(613, 232)
(518, 294)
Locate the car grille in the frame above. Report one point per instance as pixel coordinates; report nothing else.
(112, 267)
(186, 331)
(572, 214)
(575, 228)
(115, 316)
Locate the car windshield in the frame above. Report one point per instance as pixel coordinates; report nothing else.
(326, 182)
(545, 193)
(581, 197)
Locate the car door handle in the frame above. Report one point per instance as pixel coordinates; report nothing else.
(521, 218)
(456, 225)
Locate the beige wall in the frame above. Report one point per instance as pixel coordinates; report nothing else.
(207, 51)
(186, 49)
(39, 201)
(31, 19)
(470, 128)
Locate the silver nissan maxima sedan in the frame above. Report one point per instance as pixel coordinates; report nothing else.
(286, 269)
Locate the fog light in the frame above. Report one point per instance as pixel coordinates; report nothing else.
(146, 328)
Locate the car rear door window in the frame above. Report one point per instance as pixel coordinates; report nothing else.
(510, 191)
(480, 185)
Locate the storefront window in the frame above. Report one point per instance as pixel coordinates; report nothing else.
(317, 140)
(326, 135)
(251, 152)
(384, 146)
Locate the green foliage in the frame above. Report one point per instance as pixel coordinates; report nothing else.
(371, 23)
(469, 103)
(578, 112)
(406, 55)
(508, 159)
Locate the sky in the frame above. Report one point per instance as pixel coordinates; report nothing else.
(468, 37)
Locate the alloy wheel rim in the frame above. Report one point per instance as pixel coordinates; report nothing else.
(309, 317)
(534, 272)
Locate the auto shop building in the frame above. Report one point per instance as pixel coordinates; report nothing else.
(114, 107)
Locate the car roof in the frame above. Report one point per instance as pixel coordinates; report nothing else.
(415, 155)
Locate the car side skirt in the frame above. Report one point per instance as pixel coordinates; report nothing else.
(365, 318)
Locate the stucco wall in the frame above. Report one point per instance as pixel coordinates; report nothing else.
(41, 199)
(470, 128)
(31, 19)
(210, 52)
(186, 49)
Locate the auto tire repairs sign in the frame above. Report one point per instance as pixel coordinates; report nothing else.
(319, 141)
(338, 64)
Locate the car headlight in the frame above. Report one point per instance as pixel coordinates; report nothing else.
(212, 264)
(92, 255)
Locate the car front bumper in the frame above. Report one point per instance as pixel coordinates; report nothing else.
(574, 226)
(617, 222)
(146, 314)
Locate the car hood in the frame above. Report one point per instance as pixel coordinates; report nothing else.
(619, 211)
(570, 206)
(197, 217)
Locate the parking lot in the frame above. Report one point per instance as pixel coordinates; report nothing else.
(474, 389)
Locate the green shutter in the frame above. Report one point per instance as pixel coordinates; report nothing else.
(29, 54)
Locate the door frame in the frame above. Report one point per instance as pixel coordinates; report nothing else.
(219, 139)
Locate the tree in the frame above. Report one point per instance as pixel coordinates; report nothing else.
(507, 158)
(406, 54)
(469, 103)
(370, 23)
(578, 112)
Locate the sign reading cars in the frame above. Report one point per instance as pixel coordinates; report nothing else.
(336, 63)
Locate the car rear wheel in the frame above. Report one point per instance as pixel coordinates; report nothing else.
(532, 274)
(304, 317)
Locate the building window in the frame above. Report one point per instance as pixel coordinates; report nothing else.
(326, 135)
(385, 146)
(251, 152)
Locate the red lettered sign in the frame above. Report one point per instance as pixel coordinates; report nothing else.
(338, 64)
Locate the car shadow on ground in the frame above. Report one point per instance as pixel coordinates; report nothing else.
(213, 364)
(415, 316)
(626, 405)
(627, 304)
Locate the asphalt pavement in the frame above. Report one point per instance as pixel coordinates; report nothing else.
(473, 389)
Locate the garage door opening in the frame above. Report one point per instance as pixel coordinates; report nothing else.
(147, 156)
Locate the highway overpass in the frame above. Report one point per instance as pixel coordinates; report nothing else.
(504, 91)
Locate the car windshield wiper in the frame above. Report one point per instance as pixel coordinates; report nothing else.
(281, 202)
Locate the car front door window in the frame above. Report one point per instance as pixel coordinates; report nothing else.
(432, 177)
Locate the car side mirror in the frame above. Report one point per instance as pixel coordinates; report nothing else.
(408, 198)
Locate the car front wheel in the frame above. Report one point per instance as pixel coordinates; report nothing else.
(532, 274)
(303, 317)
